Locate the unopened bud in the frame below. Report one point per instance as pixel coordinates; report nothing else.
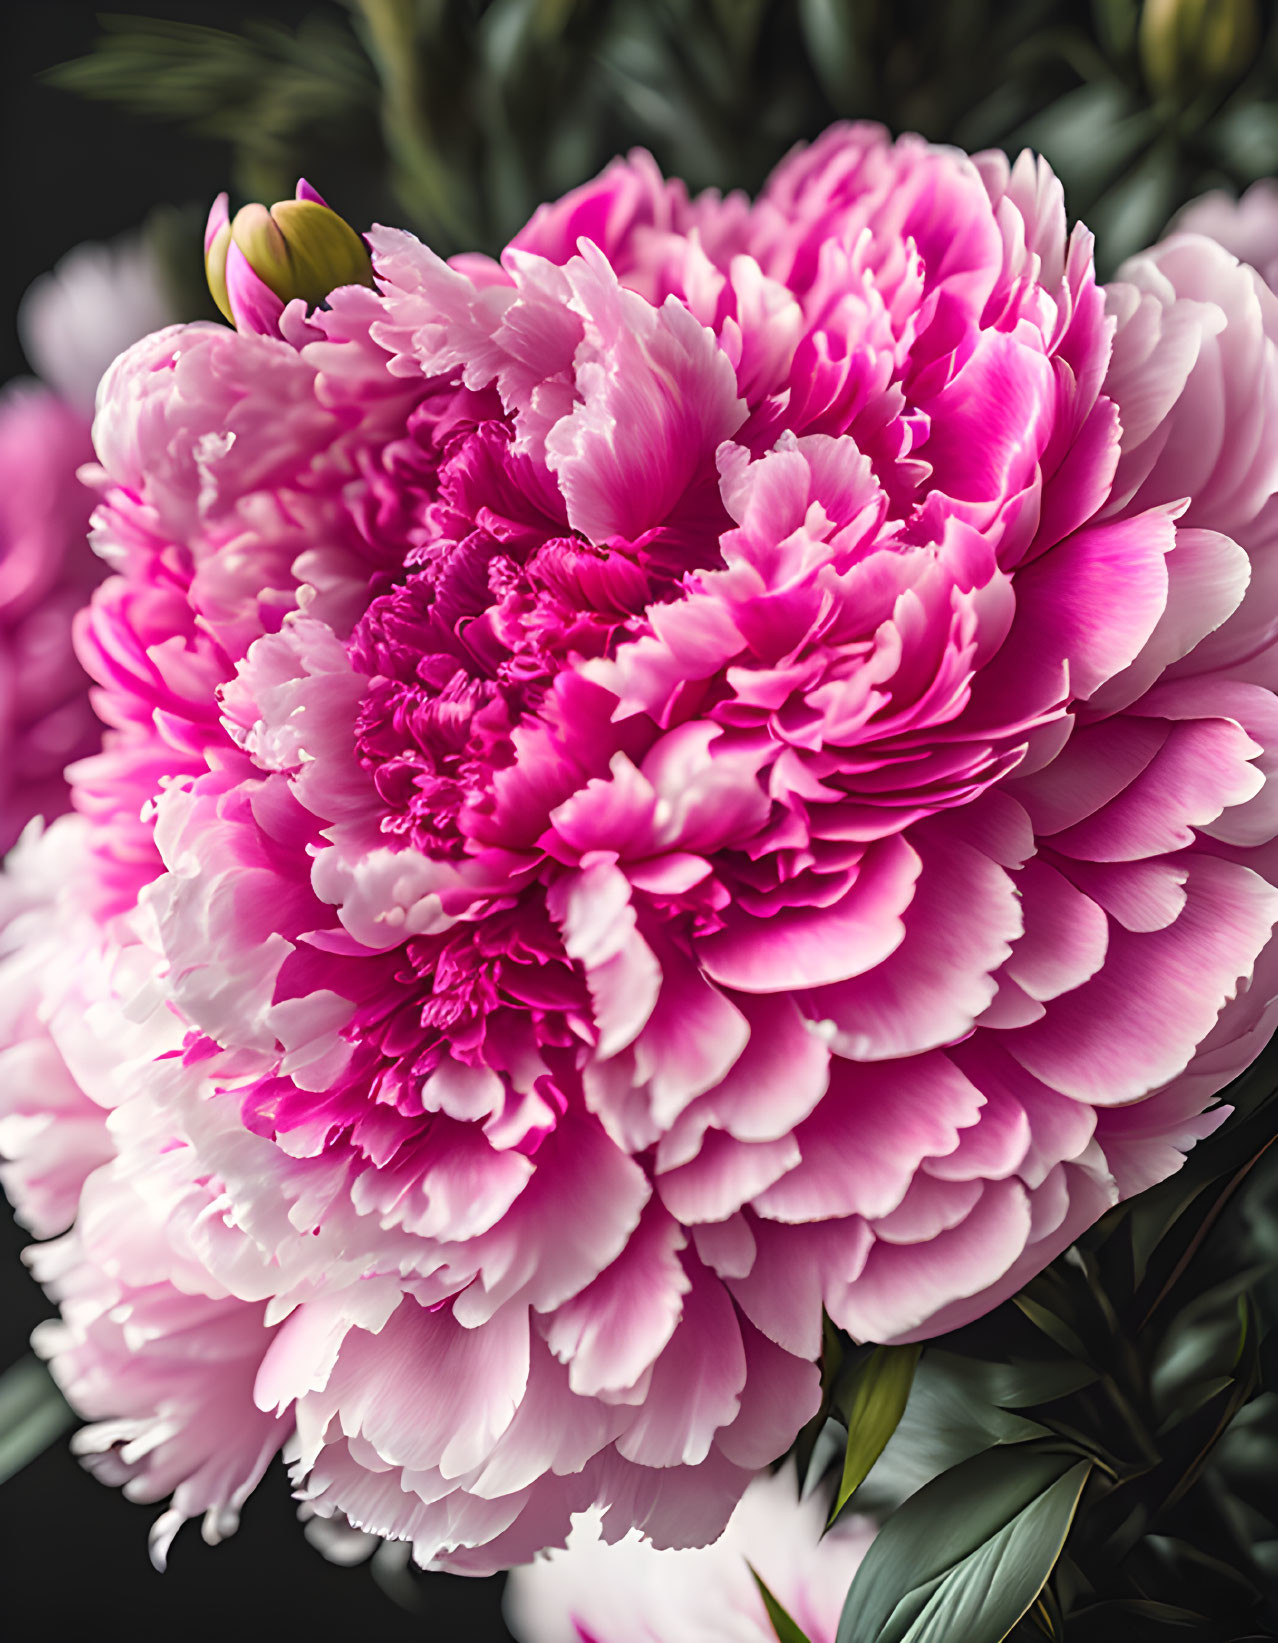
(260, 260)
(1191, 46)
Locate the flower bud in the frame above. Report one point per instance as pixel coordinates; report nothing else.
(260, 260)
(1189, 46)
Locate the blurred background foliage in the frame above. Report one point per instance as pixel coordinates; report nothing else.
(457, 117)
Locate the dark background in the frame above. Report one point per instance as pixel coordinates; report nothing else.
(73, 1553)
(74, 170)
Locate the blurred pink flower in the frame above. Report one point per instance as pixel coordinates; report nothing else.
(1247, 226)
(711, 770)
(73, 322)
(91, 305)
(629, 1593)
(47, 572)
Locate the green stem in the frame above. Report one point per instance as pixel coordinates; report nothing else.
(421, 181)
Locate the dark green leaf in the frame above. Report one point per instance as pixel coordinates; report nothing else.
(1152, 1217)
(787, 1629)
(1208, 1207)
(1017, 1385)
(1192, 1399)
(830, 30)
(1052, 1324)
(1196, 1351)
(967, 1555)
(873, 1406)
(954, 1412)
(837, 1357)
(1167, 1614)
(276, 95)
(1045, 1616)
(32, 1414)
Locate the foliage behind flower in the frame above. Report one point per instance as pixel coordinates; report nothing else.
(710, 771)
(468, 115)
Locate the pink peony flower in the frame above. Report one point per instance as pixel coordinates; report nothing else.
(46, 574)
(629, 1593)
(711, 770)
(1247, 226)
(73, 321)
(91, 306)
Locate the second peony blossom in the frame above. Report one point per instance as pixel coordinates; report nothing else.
(629, 1593)
(73, 321)
(711, 770)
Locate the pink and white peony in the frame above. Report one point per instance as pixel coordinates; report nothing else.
(709, 770)
(629, 1593)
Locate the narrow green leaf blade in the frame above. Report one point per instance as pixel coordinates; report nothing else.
(33, 1413)
(784, 1625)
(950, 1523)
(879, 1396)
(1052, 1325)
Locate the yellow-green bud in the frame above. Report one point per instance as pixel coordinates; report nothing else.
(261, 259)
(1190, 46)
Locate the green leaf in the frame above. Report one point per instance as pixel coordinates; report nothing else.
(277, 95)
(956, 1410)
(836, 1357)
(1165, 1614)
(1129, 214)
(1052, 1324)
(831, 34)
(1044, 1614)
(1020, 1384)
(787, 1629)
(32, 1414)
(877, 1401)
(967, 1555)
(1209, 1206)
(1191, 1400)
(1152, 1217)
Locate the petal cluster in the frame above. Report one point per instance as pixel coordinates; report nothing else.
(708, 771)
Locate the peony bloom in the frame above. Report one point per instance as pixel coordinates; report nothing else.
(47, 572)
(709, 770)
(629, 1593)
(1248, 226)
(92, 305)
(73, 323)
